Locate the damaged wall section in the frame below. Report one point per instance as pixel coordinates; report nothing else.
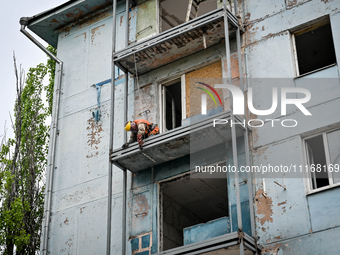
(283, 215)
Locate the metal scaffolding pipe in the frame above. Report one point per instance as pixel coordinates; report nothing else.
(250, 184)
(124, 213)
(54, 125)
(227, 43)
(125, 170)
(126, 95)
(233, 130)
(239, 56)
(127, 10)
(246, 139)
(113, 74)
(237, 184)
(124, 202)
(126, 72)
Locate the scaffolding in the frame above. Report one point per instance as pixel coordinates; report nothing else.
(137, 59)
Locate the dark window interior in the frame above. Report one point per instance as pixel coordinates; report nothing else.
(315, 49)
(190, 201)
(317, 149)
(173, 107)
(173, 12)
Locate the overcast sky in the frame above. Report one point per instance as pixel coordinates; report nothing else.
(26, 52)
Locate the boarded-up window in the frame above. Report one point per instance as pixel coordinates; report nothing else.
(210, 75)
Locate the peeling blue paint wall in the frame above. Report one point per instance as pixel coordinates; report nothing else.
(287, 221)
(146, 179)
(205, 231)
(80, 193)
(291, 221)
(79, 200)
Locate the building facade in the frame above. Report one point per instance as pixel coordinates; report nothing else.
(147, 63)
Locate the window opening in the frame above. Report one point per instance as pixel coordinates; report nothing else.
(172, 105)
(323, 159)
(188, 201)
(316, 155)
(314, 48)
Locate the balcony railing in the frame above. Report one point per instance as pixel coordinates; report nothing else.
(213, 244)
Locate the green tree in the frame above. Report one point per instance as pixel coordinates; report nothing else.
(23, 162)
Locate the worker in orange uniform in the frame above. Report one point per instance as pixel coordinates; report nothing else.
(140, 129)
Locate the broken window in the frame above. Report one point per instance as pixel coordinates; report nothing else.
(175, 12)
(314, 47)
(323, 158)
(172, 104)
(187, 201)
(180, 98)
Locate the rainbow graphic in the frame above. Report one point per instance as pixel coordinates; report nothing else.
(209, 93)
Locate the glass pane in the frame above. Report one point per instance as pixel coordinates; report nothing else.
(310, 162)
(320, 173)
(334, 153)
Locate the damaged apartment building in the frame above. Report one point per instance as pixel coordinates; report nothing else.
(162, 60)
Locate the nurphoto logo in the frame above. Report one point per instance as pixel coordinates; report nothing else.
(238, 104)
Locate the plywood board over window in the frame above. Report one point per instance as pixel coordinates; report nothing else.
(211, 75)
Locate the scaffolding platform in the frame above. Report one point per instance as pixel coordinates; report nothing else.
(223, 242)
(175, 143)
(176, 43)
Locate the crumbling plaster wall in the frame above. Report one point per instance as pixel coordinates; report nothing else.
(79, 198)
(290, 213)
(147, 182)
(78, 224)
(147, 97)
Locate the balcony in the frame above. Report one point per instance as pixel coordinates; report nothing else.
(176, 43)
(218, 229)
(218, 244)
(175, 143)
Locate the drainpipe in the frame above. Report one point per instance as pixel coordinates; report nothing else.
(113, 74)
(54, 125)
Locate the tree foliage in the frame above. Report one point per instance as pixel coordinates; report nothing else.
(23, 162)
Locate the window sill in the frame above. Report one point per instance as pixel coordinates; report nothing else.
(323, 188)
(315, 71)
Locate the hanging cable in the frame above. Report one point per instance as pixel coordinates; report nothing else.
(140, 99)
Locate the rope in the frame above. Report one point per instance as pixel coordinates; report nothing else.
(139, 97)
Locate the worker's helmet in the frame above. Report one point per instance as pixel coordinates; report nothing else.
(130, 126)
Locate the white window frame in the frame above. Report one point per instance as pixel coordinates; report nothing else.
(160, 201)
(304, 29)
(162, 103)
(309, 183)
(296, 63)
